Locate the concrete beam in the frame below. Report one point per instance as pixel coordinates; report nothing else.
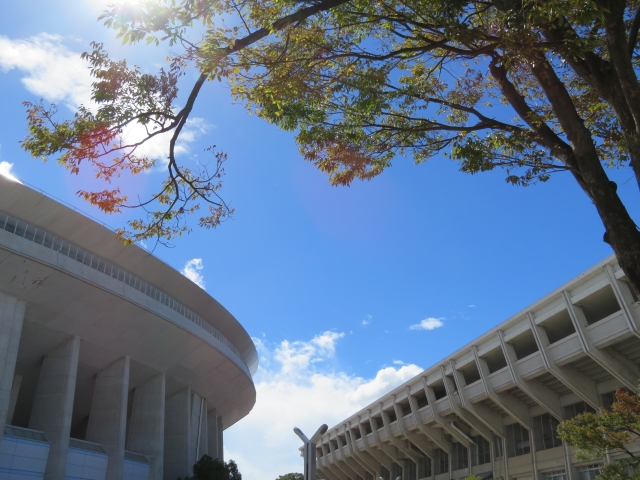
(353, 448)
(376, 457)
(514, 407)
(544, 396)
(575, 381)
(326, 473)
(373, 465)
(146, 428)
(398, 443)
(431, 398)
(108, 418)
(433, 434)
(491, 421)
(347, 458)
(53, 404)
(621, 369)
(393, 456)
(331, 464)
(424, 445)
(339, 462)
(622, 292)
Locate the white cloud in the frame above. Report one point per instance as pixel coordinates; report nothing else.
(192, 270)
(5, 171)
(298, 386)
(472, 306)
(52, 70)
(158, 147)
(398, 362)
(367, 320)
(59, 75)
(430, 323)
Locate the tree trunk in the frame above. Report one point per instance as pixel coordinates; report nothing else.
(621, 231)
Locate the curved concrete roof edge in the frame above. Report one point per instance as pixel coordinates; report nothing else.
(44, 212)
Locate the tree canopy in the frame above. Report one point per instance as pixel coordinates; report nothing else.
(291, 476)
(533, 87)
(608, 433)
(208, 468)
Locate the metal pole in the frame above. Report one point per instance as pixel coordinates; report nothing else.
(309, 450)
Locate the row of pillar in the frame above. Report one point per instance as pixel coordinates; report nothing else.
(172, 433)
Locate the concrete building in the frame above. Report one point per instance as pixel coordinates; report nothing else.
(492, 407)
(112, 364)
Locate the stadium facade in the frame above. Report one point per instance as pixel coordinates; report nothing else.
(112, 364)
(492, 407)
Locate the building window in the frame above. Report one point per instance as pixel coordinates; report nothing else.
(589, 472)
(481, 451)
(497, 445)
(608, 399)
(384, 473)
(368, 476)
(555, 475)
(572, 411)
(544, 432)
(424, 467)
(396, 471)
(460, 456)
(517, 440)
(409, 469)
(441, 461)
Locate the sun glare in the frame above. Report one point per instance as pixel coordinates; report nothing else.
(5, 171)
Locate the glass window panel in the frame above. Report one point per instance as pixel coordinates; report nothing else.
(424, 467)
(589, 472)
(30, 233)
(10, 225)
(556, 475)
(39, 237)
(21, 228)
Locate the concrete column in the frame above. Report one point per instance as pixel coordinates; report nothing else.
(198, 426)
(11, 318)
(203, 446)
(212, 433)
(53, 404)
(146, 427)
(220, 442)
(178, 460)
(108, 417)
(15, 390)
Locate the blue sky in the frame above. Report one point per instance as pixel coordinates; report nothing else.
(328, 280)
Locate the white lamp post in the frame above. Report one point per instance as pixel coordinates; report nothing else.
(309, 451)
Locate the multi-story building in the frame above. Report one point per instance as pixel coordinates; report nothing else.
(492, 407)
(112, 364)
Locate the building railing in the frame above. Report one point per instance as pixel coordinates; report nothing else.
(47, 240)
(86, 446)
(26, 433)
(135, 457)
